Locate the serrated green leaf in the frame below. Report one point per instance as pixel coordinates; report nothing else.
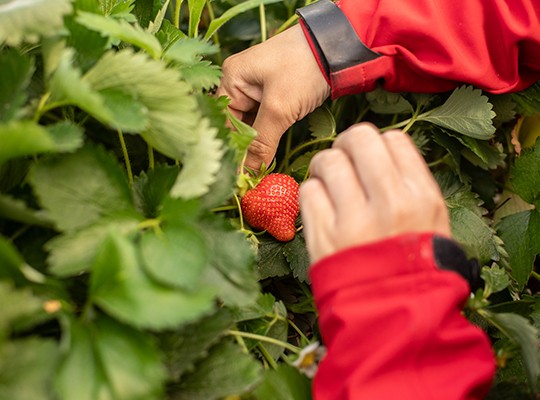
(28, 20)
(481, 153)
(520, 331)
(66, 135)
(15, 70)
(67, 86)
(168, 35)
(23, 138)
(466, 111)
(153, 187)
(474, 234)
(121, 30)
(285, 383)
(80, 188)
(120, 286)
(231, 263)
(17, 210)
(200, 164)
(495, 278)
(241, 137)
(528, 101)
(525, 174)
(297, 255)
(322, 123)
(216, 377)
(174, 122)
(155, 25)
(182, 348)
(202, 75)
(177, 256)
(109, 361)
(130, 115)
(26, 368)
(383, 102)
(271, 261)
(115, 7)
(22, 303)
(504, 108)
(224, 185)
(520, 233)
(188, 51)
(73, 253)
(233, 12)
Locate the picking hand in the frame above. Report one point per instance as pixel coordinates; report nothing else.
(366, 188)
(271, 86)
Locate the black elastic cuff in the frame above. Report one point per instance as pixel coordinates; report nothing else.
(336, 41)
(450, 256)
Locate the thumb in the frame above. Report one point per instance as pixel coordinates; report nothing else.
(270, 124)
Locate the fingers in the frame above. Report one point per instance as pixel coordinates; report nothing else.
(336, 172)
(373, 162)
(318, 218)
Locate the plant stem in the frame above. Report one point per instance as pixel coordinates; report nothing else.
(239, 211)
(439, 161)
(212, 16)
(177, 13)
(285, 164)
(262, 14)
(536, 275)
(126, 156)
(224, 208)
(287, 23)
(41, 106)
(267, 356)
(310, 143)
(262, 338)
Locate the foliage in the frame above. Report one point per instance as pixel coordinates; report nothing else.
(128, 269)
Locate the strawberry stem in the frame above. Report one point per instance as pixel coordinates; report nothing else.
(126, 157)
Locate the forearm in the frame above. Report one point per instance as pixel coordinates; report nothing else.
(433, 46)
(391, 320)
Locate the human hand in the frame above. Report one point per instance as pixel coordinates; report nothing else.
(366, 188)
(271, 86)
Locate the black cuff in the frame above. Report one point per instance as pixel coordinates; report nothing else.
(449, 256)
(334, 37)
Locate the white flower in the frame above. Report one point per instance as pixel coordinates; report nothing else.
(309, 358)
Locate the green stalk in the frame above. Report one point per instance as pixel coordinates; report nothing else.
(311, 143)
(177, 13)
(266, 339)
(212, 16)
(262, 14)
(151, 162)
(267, 356)
(126, 156)
(287, 23)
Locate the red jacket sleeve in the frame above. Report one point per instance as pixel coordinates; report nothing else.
(392, 324)
(436, 45)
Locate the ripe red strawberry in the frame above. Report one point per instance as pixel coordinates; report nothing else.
(273, 206)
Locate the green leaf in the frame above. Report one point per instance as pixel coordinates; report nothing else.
(67, 86)
(271, 261)
(528, 101)
(466, 111)
(168, 35)
(200, 165)
(121, 30)
(74, 252)
(177, 256)
(116, 7)
(10, 264)
(233, 12)
(22, 303)
(16, 70)
(182, 348)
(130, 115)
(216, 376)
(155, 25)
(241, 137)
(297, 255)
(322, 123)
(231, 263)
(195, 11)
(383, 102)
(520, 233)
(224, 185)
(26, 138)
(481, 153)
(285, 383)
(188, 51)
(525, 174)
(495, 278)
(120, 286)
(152, 188)
(80, 188)
(28, 20)
(26, 368)
(202, 75)
(17, 210)
(520, 331)
(109, 361)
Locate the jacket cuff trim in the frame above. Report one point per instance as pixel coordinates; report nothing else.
(334, 39)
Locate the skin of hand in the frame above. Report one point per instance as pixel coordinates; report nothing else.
(369, 187)
(271, 86)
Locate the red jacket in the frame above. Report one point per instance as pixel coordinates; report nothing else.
(425, 45)
(391, 320)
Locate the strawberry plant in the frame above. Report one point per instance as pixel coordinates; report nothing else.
(128, 267)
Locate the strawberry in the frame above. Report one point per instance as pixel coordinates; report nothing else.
(273, 206)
